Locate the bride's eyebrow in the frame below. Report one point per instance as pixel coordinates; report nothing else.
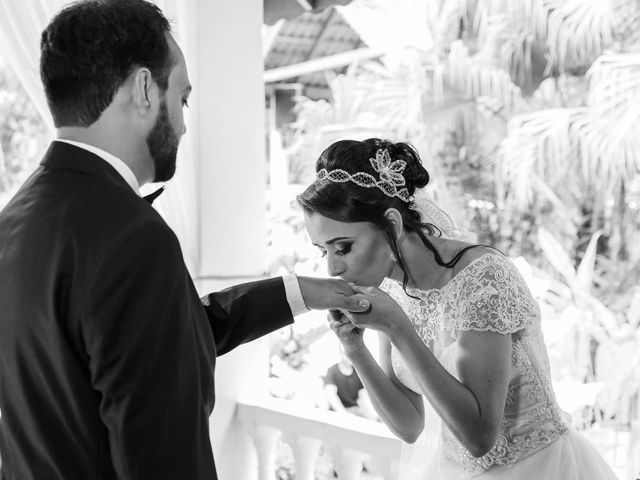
(337, 239)
(332, 241)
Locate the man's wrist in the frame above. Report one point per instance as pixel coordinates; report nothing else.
(294, 295)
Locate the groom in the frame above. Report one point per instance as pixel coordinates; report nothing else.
(107, 353)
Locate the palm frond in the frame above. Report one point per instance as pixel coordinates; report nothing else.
(525, 15)
(536, 146)
(627, 24)
(610, 136)
(477, 77)
(578, 31)
(586, 270)
(557, 256)
(509, 33)
(444, 18)
(600, 142)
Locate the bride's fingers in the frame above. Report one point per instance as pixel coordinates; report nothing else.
(339, 323)
(340, 327)
(352, 318)
(347, 316)
(340, 316)
(337, 319)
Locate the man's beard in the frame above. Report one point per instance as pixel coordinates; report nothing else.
(163, 145)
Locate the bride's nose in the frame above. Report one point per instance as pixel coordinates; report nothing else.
(335, 266)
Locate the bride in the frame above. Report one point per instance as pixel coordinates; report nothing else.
(457, 326)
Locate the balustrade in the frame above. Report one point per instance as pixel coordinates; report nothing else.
(348, 439)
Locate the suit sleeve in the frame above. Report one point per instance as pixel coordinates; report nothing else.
(245, 312)
(147, 363)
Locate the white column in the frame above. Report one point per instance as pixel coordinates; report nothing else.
(383, 466)
(346, 462)
(305, 453)
(265, 440)
(224, 56)
(231, 126)
(179, 204)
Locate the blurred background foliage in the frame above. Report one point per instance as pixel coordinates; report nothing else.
(23, 135)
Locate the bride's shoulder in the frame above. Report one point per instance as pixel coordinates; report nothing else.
(477, 254)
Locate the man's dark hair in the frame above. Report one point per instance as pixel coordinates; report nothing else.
(90, 48)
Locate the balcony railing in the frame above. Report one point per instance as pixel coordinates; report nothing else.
(348, 439)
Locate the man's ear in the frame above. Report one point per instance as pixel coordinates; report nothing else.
(394, 217)
(144, 90)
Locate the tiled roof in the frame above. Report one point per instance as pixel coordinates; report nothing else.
(308, 37)
(381, 25)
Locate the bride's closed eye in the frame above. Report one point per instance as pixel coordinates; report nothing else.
(340, 249)
(343, 248)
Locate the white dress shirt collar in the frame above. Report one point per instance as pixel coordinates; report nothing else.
(120, 167)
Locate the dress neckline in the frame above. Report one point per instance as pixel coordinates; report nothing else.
(425, 292)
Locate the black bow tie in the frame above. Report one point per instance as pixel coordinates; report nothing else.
(152, 196)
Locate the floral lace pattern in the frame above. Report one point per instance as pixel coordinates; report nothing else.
(488, 295)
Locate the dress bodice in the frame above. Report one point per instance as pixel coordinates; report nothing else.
(488, 295)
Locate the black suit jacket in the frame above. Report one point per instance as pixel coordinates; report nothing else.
(106, 352)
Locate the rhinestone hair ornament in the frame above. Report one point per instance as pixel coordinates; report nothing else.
(390, 180)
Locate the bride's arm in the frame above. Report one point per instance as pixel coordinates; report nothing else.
(400, 408)
(472, 407)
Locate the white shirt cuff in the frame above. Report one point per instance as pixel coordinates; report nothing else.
(294, 295)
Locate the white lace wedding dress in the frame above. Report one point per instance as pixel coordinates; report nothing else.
(535, 441)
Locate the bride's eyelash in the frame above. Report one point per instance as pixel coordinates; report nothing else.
(346, 248)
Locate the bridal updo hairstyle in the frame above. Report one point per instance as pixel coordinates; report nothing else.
(349, 202)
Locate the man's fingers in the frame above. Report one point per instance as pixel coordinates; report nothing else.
(356, 303)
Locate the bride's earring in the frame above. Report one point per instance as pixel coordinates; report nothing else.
(394, 259)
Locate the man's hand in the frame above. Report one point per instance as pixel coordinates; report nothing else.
(331, 294)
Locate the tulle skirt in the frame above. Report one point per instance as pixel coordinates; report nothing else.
(570, 457)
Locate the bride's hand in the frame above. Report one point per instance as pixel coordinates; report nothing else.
(384, 315)
(350, 336)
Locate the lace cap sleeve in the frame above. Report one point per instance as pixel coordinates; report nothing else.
(489, 294)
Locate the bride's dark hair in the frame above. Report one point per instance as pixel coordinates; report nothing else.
(349, 202)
